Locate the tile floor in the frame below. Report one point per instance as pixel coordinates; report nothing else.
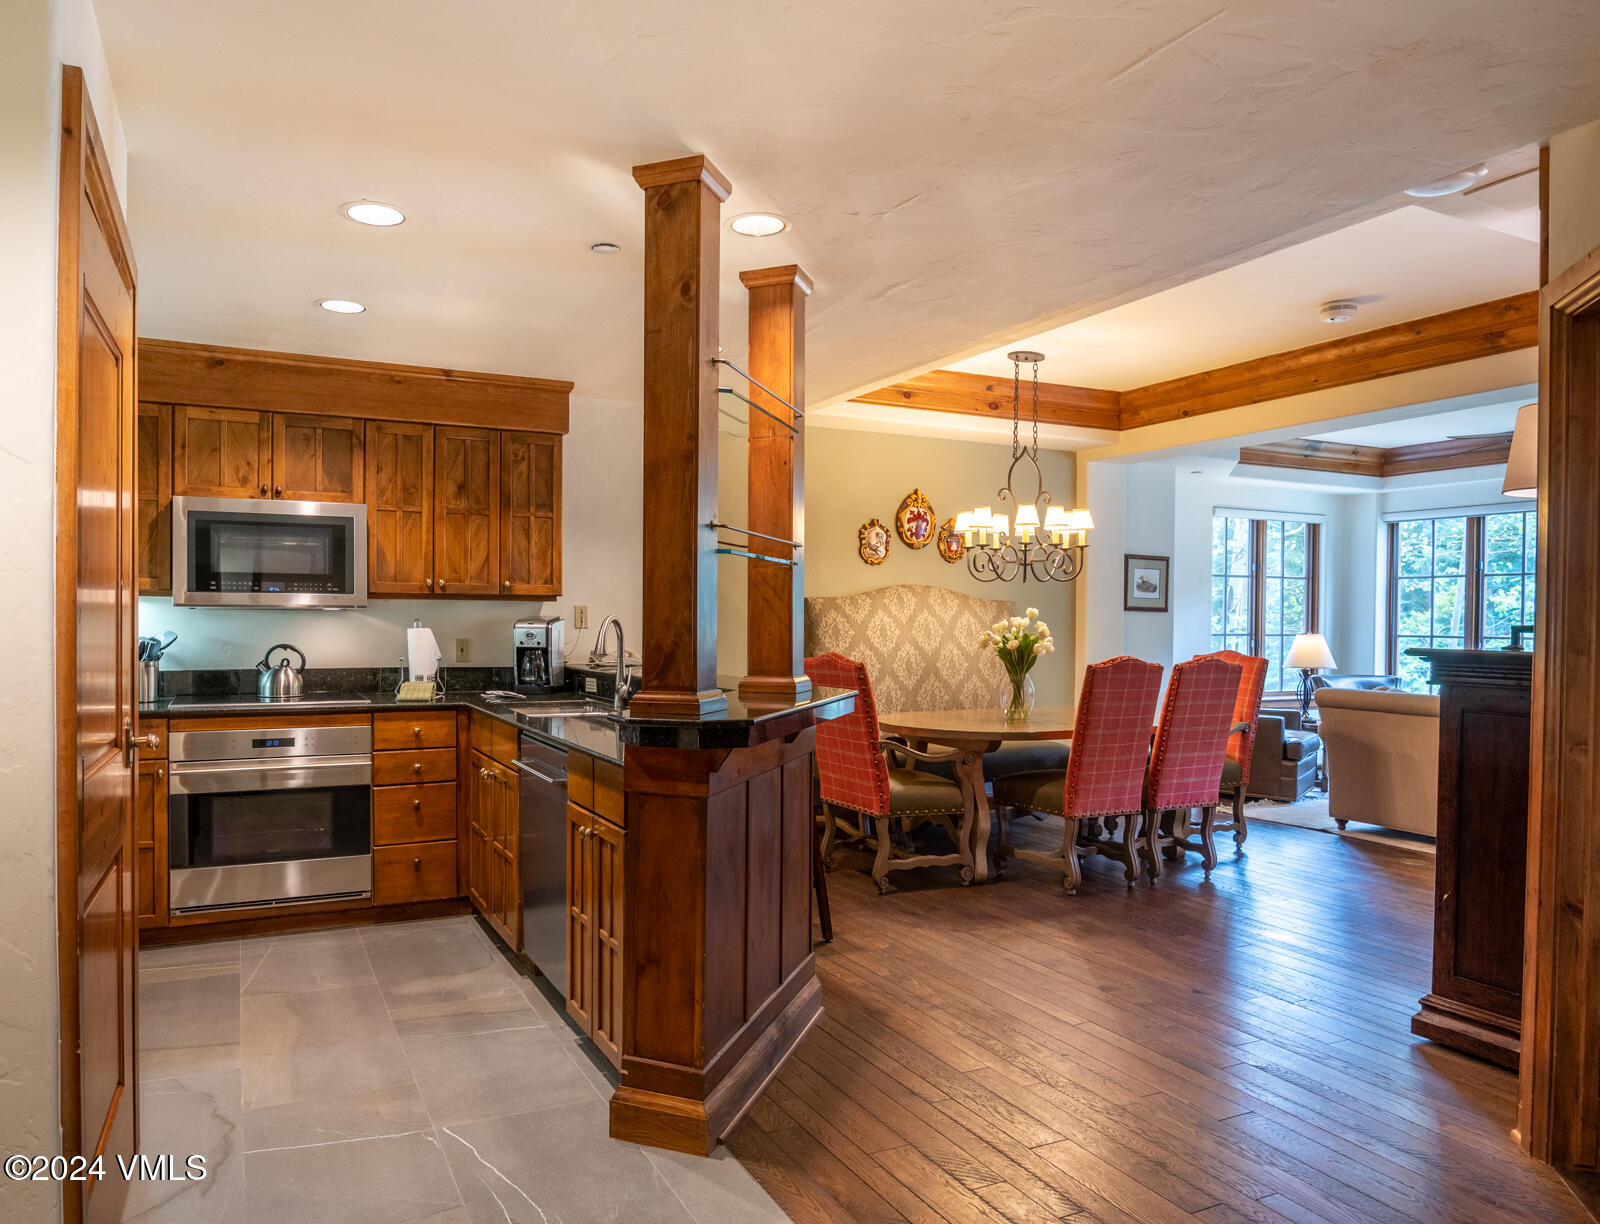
(404, 1072)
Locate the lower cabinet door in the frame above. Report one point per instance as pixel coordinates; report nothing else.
(150, 844)
(606, 856)
(580, 918)
(479, 816)
(421, 871)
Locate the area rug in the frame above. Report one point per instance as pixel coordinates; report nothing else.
(1312, 813)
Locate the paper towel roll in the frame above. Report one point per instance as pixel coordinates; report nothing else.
(422, 654)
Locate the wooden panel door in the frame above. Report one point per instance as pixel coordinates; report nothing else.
(399, 483)
(466, 522)
(530, 524)
(221, 452)
(317, 458)
(95, 595)
(479, 818)
(605, 852)
(504, 894)
(580, 918)
(153, 488)
(150, 845)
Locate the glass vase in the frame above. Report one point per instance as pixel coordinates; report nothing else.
(1016, 697)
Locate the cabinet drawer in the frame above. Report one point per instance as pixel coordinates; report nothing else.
(421, 729)
(495, 739)
(596, 785)
(418, 871)
(413, 813)
(424, 765)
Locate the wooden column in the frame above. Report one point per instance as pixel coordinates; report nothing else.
(776, 608)
(678, 492)
(1558, 1116)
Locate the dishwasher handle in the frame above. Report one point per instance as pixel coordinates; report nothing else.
(543, 777)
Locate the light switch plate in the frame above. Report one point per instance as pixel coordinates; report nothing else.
(463, 649)
(580, 616)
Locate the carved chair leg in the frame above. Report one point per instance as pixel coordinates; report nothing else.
(1171, 835)
(830, 833)
(819, 884)
(880, 865)
(1130, 849)
(1150, 847)
(1072, 869)
(1240, 829)
(1208, 839)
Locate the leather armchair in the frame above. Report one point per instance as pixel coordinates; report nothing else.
(1284, 766)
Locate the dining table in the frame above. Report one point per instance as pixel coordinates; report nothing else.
(971, 733)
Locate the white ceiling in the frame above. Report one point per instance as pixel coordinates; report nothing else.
(1405, 264)
(1487, 419)
(958, 172)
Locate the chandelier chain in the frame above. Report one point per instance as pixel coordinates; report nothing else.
(1016, 407)
(1036, 410)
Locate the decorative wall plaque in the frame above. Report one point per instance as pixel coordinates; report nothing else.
(951, 546)
(874, 538)
(914, 520)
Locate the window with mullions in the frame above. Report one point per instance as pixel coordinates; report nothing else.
(1458, 582)
(1263, 588)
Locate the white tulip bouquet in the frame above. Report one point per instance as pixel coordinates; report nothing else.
(1019, 642)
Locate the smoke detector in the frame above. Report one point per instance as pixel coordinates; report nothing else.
(1340, 311)
(1449, 184)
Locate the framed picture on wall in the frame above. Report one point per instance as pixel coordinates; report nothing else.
(1144, 583)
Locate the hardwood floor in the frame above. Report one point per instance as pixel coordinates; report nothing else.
(1232, 1052)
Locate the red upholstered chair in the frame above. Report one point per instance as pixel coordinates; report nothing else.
(859, 776)
(1105, 768)
(1242, 743)
(1186, 763)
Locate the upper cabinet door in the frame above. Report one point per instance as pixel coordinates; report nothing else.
(466, 524)
(530, 528)
(317, 458)
(399, 508)
(221, 452)
(153, 490)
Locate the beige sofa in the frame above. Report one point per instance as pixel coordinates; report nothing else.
(1383, 757)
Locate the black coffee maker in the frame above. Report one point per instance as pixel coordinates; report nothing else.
(538, 645)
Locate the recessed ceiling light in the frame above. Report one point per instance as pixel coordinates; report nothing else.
(370, 212)
(758, 225)
(605, 248)
(1450, 183)
(341, 305)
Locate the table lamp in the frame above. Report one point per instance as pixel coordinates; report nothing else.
(1308, 652)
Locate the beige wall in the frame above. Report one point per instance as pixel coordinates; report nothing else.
(1574, 196)
(852, 476)
(38, 37)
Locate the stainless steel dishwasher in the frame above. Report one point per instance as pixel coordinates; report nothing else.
(542, 810)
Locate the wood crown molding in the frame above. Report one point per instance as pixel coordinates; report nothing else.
(1315, 455)
(1501, 326)
(695, 169)
(784, 274)
(990, 396)
(176, 372)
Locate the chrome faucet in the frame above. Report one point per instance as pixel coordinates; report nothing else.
(620, 695)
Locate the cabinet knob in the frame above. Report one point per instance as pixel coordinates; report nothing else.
(416, 767)
(416, 805)
(263, 490)
(428, 582)
(441, 584)
(277, 491)
(416, 732)
(416, 864)
(506, 584)
(160, 774)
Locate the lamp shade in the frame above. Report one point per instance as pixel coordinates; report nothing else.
(1309, 650)
(1522, 465)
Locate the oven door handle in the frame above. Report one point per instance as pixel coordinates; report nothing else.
(231, 777)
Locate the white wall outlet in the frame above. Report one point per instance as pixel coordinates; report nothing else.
(580, 616)
(463, 649)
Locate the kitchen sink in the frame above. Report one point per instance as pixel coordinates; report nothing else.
(561, 709)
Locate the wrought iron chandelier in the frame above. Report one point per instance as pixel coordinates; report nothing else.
(1046, 542)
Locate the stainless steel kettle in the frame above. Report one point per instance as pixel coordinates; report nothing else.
(274, 683)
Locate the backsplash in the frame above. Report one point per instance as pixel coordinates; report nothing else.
(234, 682)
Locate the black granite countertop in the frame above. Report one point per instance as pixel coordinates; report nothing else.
(598, 734)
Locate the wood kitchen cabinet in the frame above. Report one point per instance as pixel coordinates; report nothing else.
(317, 458)
(399, 481)
(596, 893)
(530, 527)
(153, 505)
(493, 881)
(221, 452)
(466, 511)
(414, 791)
(150, 829)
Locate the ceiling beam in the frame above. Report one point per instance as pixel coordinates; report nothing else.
(1501, 326)
(984, 396)
(1317, 455)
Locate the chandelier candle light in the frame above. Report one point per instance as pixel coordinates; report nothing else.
(1019, 642)
(1046, 542)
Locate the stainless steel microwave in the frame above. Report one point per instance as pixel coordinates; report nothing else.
(230, 552)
